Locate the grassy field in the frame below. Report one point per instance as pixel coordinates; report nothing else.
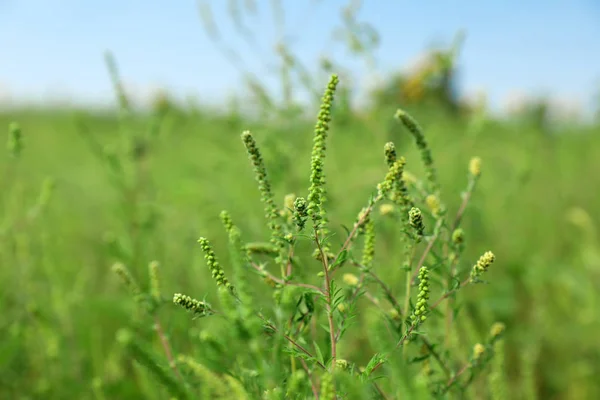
(536, 206)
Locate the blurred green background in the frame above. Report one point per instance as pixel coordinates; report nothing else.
(66, 217)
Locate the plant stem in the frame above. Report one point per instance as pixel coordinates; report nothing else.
(452, 380)
(329, 301)
(292, 341)
(455, 224)
(165, 344)
(353, 232)
(427, 250)
(352, 297)
(284, 282)
(414, 325)
(445, 295)
(382, 284)
(288, 271)
(310, 378)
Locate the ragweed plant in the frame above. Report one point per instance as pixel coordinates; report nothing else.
(21, 238)
(302, 345)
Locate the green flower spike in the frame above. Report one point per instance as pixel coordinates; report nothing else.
(197, 307)
(482, 265)
(393, 176)
(264, 186)
(390, 154)
(316, 196)
(213, 264)
(300, 212)
(421, 309)
(417, 132)
(415, 219)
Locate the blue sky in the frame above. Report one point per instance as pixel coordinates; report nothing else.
(55, 47)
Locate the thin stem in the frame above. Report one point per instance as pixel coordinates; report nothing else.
(427, 344)
(463, 205)
(452, 380)
(288, 271)
(409, 281)
(380, 391)
(400, 343)
(329, 301)
(352, 297)
(353, 232)
(436, 355)
(427, 250)
(447, 294)
(414, 325)
(165, 345)
(383, 285)
(449, 313)
(292, 341)
(455, 224)
(284, 282)
(310, 378)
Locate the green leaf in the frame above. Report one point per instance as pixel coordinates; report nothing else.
(340, 259)
(378, 358)
(319, 354)
(300, 354)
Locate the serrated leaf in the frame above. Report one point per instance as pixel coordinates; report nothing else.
(300, 354)
(319, 354)
(340, 259)
(377, 359)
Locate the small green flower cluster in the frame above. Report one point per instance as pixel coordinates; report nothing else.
(399, 194)
(227, 221)
(482, 265)
(327, 387)
(199, 308)
(415, 219)
(213, 264)
(123, 272)
(458, 236)
(369, 244)
(300, 212)
(420, 313)
(393, 175)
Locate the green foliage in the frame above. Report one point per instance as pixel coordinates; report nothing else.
(58, 308)
(321, 306)
(286, 338)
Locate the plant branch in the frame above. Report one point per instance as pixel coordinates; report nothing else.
(329, 300)
(463, 205)
(288, 271)
(165, 345)
(447, 294)
(292, 341)
(353, 232)
(436, 355)
(383, 285)
(310, 378)
(284, 282)
(352, 297)
(427, 250)
(452, 380)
